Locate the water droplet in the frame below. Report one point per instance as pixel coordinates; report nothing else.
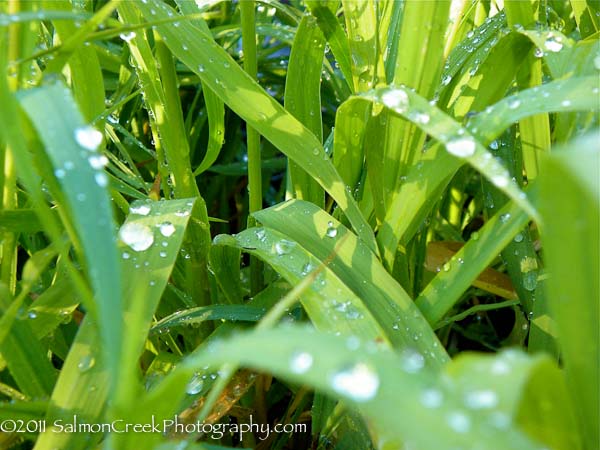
(86, 363)
(514, 103)
(412, 361)
(142, 210)
(137, 236)
(553, 44)
(201, 68)
(60, 173)
(483, 399)
(163, 254)
(88, 137)
(538, 52)
(316, 151)
(301, 362)
(519, 237)
(422, 118)
(500, 180)
(446, 80)
(283, 247)
(504, 217)
(32, 314)
(432, 398)
(359, 381)
(395, 99)
(101, 179)
(98, 161)
(459, 422)
(461, 147)
(127, 37)
(307, 268)
(565, 103)
(446, 267)
(126, 255)
(494, 145)
(331, 230)
(166, 229)
(195, 384)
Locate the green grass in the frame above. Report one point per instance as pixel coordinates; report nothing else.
(375, 219)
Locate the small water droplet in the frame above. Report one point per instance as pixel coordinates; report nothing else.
(166, 229)
(331, 230)
(283, 247)
(127, 37)
(446, 80)
(514, 103)
(538, 52)
(519, 237)
(86, 363)
(483, 399)
(301, 362)
(32, 314)
(446, 267)
(101, 179)
(412, 361)
(432, 398)
(459, 422)
(141, 210)
(553, 44)
(98, 161)
(504, 217)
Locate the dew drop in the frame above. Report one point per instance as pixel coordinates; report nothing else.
(446, 80)
(166, 229)
(127, 37)
(553, 44)
(461, 147)
(195, 384)
(395, 99)
(32, 314)
(283, 247)
(331, 230)
(514, 103)
(483, 399)
(359, 381)
(98, 161)
(137, 236)
(141, 210)
(459, 422)
(432, 398)
(301, 362)
(86, 363)
(101, 179)
(500, 180)
(88, 137)
(494, 145)
(538, 52)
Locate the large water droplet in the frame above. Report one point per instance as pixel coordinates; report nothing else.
(301, 362)
(359, 381)
(461, 147)
(137, 236)
(88, 137)
(195, 384)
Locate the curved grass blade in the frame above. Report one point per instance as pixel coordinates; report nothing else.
(220, 72)
(194, 316)
(380, 384)
(573, 264)
(328, 302)
(445, 289)
(360, 271)
(303, 99)
(71, 146)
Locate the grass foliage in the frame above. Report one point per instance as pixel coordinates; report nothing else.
(375, 218)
